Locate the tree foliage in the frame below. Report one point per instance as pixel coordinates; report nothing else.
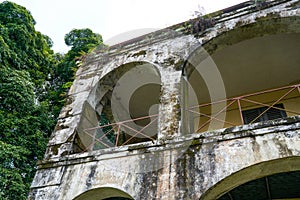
(22, 47)
(16, 88)
(33, 84)
(81, 41)
(26, 120)
(11, 158)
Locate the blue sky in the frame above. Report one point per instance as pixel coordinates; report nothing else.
(55, 18)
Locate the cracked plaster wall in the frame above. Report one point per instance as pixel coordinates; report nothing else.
(209, 158)
(181, 173)
(168, 54)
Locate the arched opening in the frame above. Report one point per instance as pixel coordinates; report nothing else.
(105, 193)
(258, 65)
(276, 186)
(275, 179)
(121, 109)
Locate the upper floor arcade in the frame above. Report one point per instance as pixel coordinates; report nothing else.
(172, 83)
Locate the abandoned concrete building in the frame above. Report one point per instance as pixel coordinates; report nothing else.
(206, 109)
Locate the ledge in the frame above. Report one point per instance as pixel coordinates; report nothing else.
(251, 130)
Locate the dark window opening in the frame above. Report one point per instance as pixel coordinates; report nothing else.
(251, 116)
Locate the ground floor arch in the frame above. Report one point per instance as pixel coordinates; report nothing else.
(270, 179)
(105, 193)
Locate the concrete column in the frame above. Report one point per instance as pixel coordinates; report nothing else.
(169, 108)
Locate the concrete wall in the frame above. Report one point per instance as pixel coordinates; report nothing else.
(177, 165)
(184, 168)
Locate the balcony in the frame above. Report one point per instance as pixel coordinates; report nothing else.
(246, 109)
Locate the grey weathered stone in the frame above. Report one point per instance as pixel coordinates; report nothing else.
(177, 165)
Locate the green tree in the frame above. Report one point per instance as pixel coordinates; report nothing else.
(33, 81)
(24, 126)
(26, 118)
(22, 47)
(81, 42)
(11, 158)
(16, 88)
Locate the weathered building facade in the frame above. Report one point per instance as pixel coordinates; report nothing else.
(206, 109)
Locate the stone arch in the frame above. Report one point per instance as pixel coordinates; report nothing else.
(242, 31)
(128, 92)
(165, 55)
(247, 52)
(104, 193)
(271, 24)
(256, 171)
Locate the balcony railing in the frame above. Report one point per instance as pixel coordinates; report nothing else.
(122, 133)
(229, 112)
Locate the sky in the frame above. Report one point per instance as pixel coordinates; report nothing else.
(112, 18)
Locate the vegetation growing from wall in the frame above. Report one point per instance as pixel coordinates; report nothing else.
(33, 83)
